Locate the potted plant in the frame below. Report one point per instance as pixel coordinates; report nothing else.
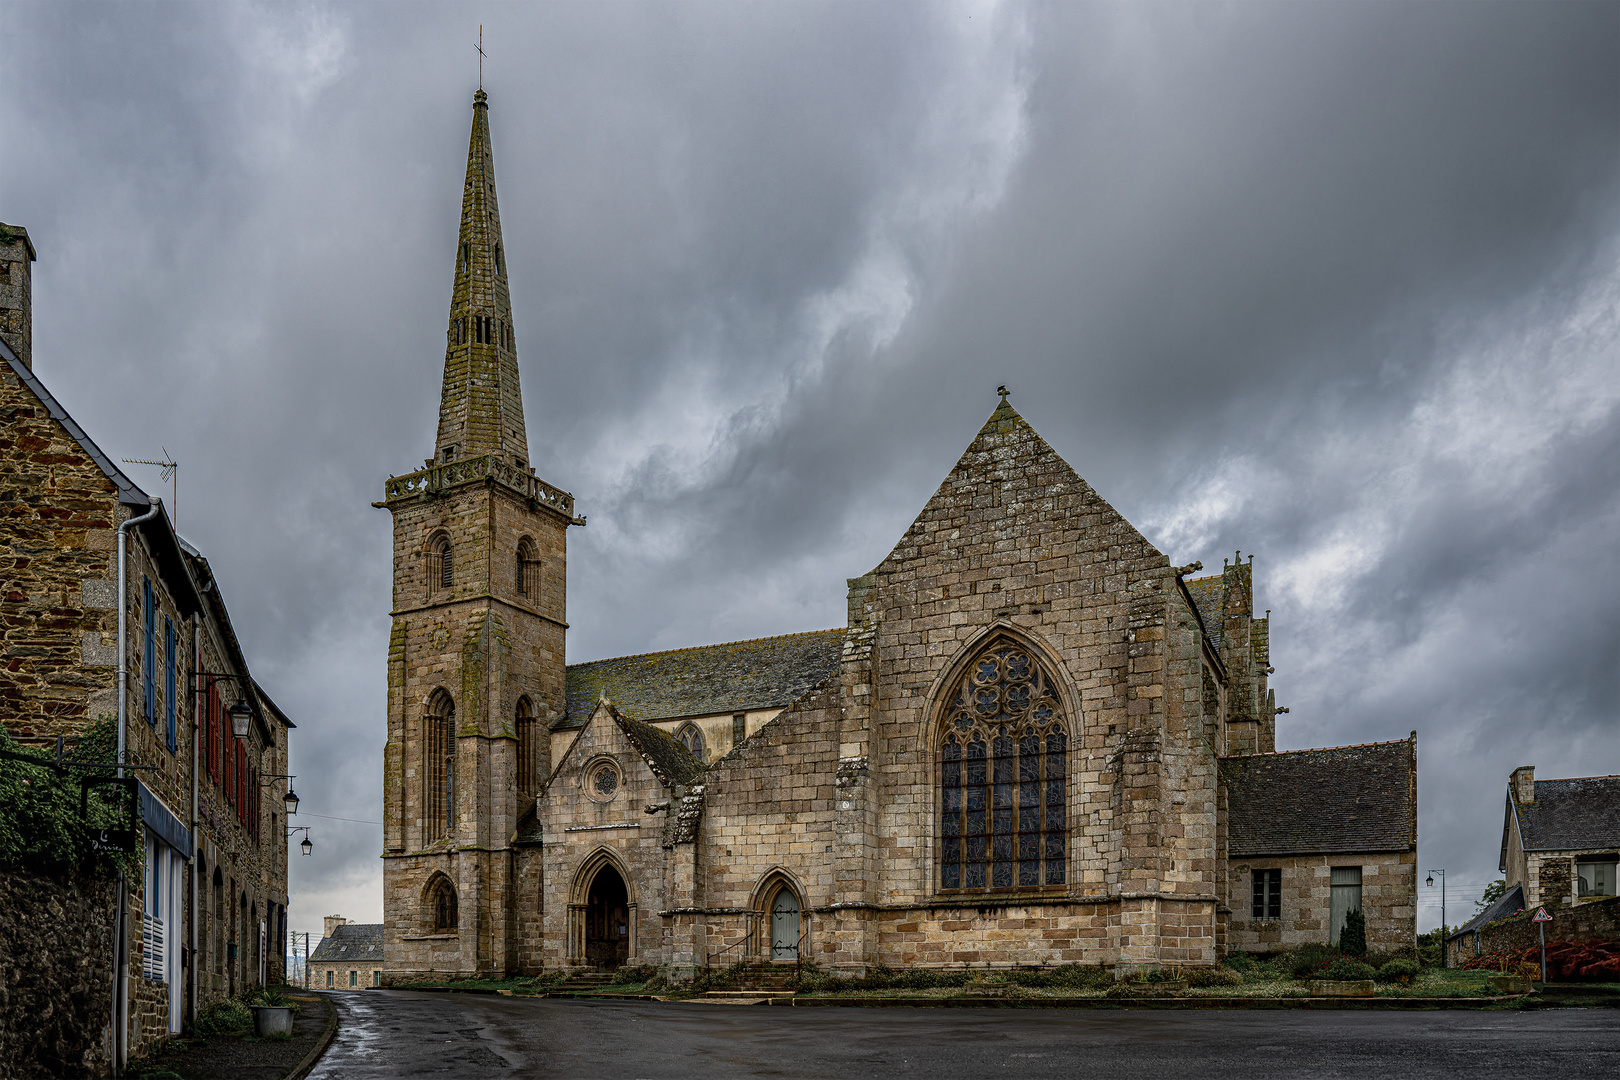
(273, 1014)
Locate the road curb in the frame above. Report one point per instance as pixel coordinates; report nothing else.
(1150, 1003)
(303, 1068)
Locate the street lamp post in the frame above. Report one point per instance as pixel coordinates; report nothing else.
(305, 843)
(1430, 883)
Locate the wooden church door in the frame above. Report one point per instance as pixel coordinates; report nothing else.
(785, 926)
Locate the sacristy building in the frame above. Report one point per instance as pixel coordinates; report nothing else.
(1034, 741)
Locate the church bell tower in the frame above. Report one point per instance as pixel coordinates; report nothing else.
(475, 656)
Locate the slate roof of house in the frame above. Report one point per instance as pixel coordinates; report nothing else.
(763, 673)
(1342, 798)
(1507, 904)
(353, 942)
(1207, 598)
(1569, 815)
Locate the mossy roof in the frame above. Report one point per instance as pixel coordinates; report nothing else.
(1569, 815)
(668, 758)
(1209, 596)
(737, 676)
(358, 942)
(1337, 799)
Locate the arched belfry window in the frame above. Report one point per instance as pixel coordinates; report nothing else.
(691, 737)
(1003, 750)
(441, 568)
(439, 765)
(528, 571)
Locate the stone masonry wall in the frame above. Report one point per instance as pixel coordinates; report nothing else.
(55, 973)
(1388, 898)
(1595, 920)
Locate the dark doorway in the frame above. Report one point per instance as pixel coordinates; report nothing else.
(607, 920)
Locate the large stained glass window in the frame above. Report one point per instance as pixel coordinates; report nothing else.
(1003, 770)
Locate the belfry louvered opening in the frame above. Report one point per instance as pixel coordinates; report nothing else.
(441, 564)
(1003, 776)
(439, 766)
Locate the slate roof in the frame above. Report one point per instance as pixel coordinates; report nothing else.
(352, 943)
(1342, 798)
(1207, 597)
(1510, 902)
(666, 756)
(1569, 815)
(763, 673)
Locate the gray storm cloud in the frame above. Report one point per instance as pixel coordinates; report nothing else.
(1335, 284)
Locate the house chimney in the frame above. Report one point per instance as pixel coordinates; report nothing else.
(333, 922)
(1524, 785)
(16, 291)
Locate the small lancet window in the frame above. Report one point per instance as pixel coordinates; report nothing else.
(1003, 756)
(528, 763)
(445, 915)
(466, 257)
(500, 261)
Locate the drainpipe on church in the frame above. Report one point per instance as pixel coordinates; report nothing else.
(121, 921)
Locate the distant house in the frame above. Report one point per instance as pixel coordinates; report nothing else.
(1467, 940)
(1561, 838)
(349, 957)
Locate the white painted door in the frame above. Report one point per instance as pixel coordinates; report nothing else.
(785, 926)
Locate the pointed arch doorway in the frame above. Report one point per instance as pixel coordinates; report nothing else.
(607, 919)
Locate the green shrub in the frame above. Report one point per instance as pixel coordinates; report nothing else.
(1344, 969)
(640, 973)
(1303, 961)
(1211, 976)
(1353, 938)
(223, 1018)
(40, 824)
(1242, 963)
(1399, 970)
(269, 996)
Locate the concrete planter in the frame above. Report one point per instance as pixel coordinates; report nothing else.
(1342, 988)
(1509, 984)
(272, 1020)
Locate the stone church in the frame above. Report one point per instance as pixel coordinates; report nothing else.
(1036, 740)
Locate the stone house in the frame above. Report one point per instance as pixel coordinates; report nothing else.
(1021, 748)
(349, 957)
(1561, 838)
(208, 917)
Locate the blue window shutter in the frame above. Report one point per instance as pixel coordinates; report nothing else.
(149, 658)
(168, 679)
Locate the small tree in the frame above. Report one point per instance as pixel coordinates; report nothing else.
(1493, 892)
(1353, 938)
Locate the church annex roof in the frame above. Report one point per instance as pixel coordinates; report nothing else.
(664, 754)
(763, 673)
(1570, 815)
(352, 942)
(1342, 798)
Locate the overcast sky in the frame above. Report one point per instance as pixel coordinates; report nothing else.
(1333, 284)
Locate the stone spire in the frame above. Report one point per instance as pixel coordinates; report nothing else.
(481, 408)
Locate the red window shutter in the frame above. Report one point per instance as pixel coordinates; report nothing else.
(212, 724)
(241, 783)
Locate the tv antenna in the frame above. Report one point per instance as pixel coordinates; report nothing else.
(171, 475)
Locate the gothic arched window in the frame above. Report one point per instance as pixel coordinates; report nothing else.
(1003, 754)
(691, 737)
(441, 905)
(528, 763)
(439, 761)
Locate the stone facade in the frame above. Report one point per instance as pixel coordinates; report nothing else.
(1388, 891)
(1013, 754)
(208, 917)
(1561, 838)
(349, 956)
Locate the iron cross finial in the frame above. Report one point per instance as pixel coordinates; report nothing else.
(481, 54)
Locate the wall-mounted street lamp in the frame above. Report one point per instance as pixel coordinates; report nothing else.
(1430, 884)
(305, 843)
(241, 713)
(289, 800)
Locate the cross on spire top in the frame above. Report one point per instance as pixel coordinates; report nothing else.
(481, 55)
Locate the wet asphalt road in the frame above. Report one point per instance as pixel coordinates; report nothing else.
(386, 1034)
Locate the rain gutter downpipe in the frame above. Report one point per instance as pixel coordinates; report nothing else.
(121, 935)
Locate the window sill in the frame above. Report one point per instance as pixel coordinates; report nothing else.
(431, 937)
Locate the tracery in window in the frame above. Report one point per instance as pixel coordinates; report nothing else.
(441, 568)
(691, 737)
(1003, 756)
(441, 905)
(528, 571)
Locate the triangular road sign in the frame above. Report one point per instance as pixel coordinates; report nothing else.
(1541, 915)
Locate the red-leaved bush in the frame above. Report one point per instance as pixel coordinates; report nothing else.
(1567, 961)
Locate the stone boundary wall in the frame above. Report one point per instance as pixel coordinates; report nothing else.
(55, 973)
(1597, 920)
